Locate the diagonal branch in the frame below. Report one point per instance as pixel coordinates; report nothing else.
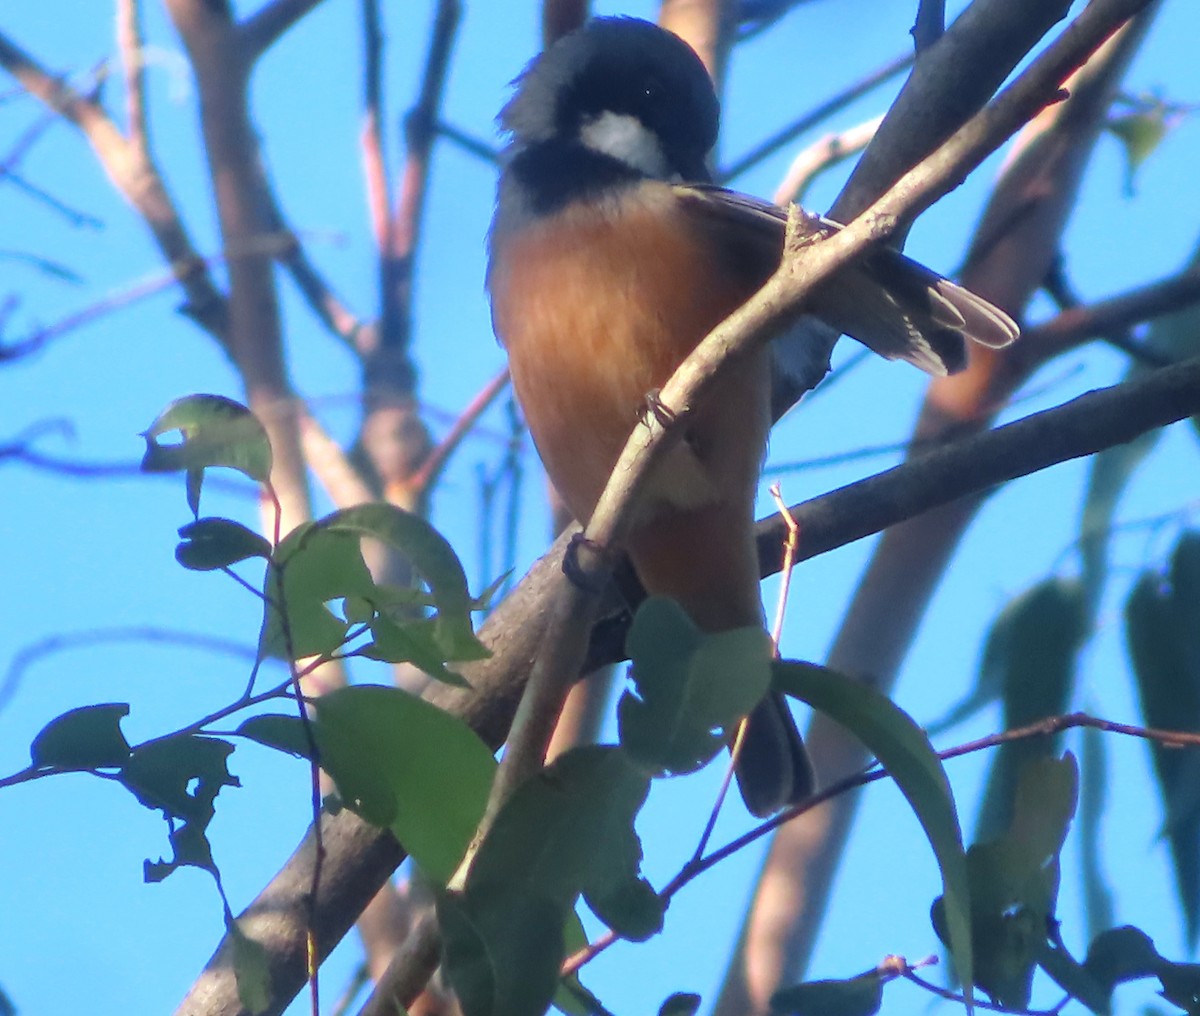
(264, 27)
(135, 175)
(360, 858)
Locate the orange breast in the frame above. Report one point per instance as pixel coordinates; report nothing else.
(597, 306)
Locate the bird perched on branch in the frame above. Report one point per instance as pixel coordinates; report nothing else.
(611, 257)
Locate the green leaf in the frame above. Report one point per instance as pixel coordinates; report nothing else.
(905, 752)
(434, 560)
(691, 688)
(1014, 882)
(85, 738)
(414, 642)
(251, 969)
(682, 1003)
(283, 733)
(216, 431)
(406, 765)
(1097, 896)
(317, 566)
(855, 996)
(212, 543)
(190, 848)
(323, 561)
(503, 949)
(1032, 647)
(1162, 622)
(579, 812)
(566, 830)
(1109, 473)
(161, 775)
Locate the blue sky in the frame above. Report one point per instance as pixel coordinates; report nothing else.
(81, 931)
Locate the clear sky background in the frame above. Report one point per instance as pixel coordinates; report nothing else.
(79, 930)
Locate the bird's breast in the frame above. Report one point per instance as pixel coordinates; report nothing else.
(597, 305)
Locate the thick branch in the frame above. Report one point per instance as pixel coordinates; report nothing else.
(952, 80)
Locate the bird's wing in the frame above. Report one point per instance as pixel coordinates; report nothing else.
(899, 308)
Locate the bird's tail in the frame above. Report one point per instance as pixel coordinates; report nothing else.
(905, 311)
(773, 766)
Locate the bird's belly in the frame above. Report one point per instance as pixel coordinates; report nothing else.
(593, 322)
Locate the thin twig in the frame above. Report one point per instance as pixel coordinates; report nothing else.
(136, 177)
(133, 66)
(131, 294)
(72, 215)
(469, 143)
(420, 130)
(28, 655)
(821, 155)
(809, 120)
(1047, 727)
(435, 462)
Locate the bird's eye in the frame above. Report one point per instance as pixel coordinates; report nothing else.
(652, 88)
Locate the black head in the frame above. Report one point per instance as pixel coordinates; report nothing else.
(624, 89)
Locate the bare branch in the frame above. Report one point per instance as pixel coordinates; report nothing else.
(379, 199)
(269, 22)
(72, 215)
(30, 654)
(342, 482)
(328, 307)
(809, 120)
(408, 973)
(823, 154)
(952, 81)
(469, 143)
(137, 179)
(436, 461)
(930, 24)
(420, 130)
(133, 64)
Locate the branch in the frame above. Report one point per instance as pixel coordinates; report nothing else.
(1047, 727)
(930, 24)
(328, 307)
(1078, 324)
(435, 462)
(374, 155)
(980, 463)
(809, 120)
(420, 130)
(129, 43)
(136, 177)
(264, 27)
(952, 81)
(821, 155)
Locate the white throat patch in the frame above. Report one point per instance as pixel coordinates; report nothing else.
(626, 138)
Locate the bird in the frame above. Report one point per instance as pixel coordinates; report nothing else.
(611, 254)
